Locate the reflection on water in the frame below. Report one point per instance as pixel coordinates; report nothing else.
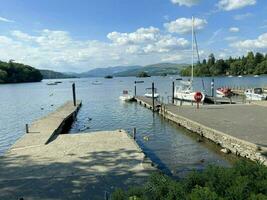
(172, 148)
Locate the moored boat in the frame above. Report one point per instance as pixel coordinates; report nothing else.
(255, 94)
(185, 90)
(126, 96)
(149, 93)
(96, 83)
(223, 92)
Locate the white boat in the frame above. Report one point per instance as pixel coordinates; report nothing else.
(96, 83)
(149, 93)
(255, 94)
(256, 76)
(230, 76)
(51, 83)
(185, 90)
(126, 96)
(240, 76)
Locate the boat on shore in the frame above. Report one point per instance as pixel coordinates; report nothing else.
(126, 96)
(255, 94)
(149, 93)
(223, 92)
(185, 91)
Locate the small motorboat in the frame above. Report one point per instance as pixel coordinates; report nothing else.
(126, 96)
(256, 76)
(96, 83)
(149, 93)
(240, 76)
(223, 92)
(255, 94)
(51, 83)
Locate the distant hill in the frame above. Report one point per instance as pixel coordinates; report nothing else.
(102, 72)
(159, 69)
(49, 74)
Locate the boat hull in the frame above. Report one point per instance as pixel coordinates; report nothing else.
(190, 96)
(156, 95)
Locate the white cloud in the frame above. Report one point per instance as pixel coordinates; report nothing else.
(243, 16)
(184, 25)
(234, 29)
(188, 3)
(140, 36)
(3, 19)
(228, 5)
(259, 43)
(58, 50)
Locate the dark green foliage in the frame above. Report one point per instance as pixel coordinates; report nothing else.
(244, 181)
(12, 72)
(251, 64)
(143, 74)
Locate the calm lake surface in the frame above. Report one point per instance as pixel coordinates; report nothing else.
(174, 149)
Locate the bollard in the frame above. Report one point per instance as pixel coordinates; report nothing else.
(74, 94)
(173, 86)
(134, 133)
(27, 128)
(153, 99)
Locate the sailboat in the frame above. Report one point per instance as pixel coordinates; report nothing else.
(185, 90)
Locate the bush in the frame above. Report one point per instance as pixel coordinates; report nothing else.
(244, 181)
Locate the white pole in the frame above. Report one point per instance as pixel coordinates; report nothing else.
(192, 69)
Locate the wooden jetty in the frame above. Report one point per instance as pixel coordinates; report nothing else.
(239, 128)
(147, 102)
(45, 164)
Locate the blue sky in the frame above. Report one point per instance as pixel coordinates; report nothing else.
(79, 35)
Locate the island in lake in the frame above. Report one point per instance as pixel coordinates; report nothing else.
(11, 72)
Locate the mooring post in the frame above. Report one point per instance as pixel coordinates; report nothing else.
(153, 99)
(173, 86)
(74, 94)
(134, 88)
(134, 133)
(212, 87)
(105, 195)
(27, 128)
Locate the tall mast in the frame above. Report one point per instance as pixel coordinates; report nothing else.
(192, 68)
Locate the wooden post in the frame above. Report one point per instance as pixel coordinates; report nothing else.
(27, 128)
(74, 94)
(153, 99)
(134, 133)
(135, 88)
(105, 195)
(173, 92)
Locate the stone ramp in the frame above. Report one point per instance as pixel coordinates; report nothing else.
(73, 166)
(43, 129)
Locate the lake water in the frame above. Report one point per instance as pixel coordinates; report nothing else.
(174, 149)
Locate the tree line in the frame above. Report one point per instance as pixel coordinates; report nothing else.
(11, 72)
(251, 64)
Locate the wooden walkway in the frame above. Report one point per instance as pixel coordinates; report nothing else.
(147, 102)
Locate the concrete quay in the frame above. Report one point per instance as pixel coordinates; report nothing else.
(46, 164)
(240, 128)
